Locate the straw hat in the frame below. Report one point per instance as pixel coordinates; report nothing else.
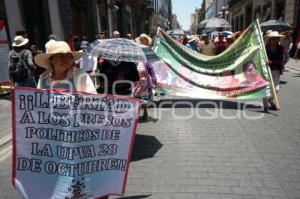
(20, 41)
(138, 39)
(191, 38)
(56, 47)
(273, 34)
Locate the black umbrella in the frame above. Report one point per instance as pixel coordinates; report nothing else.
(275, 25)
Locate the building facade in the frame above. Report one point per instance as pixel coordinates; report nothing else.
(87, 18)
(243, 12)
(68, 19)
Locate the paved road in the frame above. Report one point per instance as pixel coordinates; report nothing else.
(222, 158)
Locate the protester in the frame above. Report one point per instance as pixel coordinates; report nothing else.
(20, 63)
(103, 35)
(114, 71)
(39, 70)
(287, 43)
(275, 53)
(144, 39)
(183, 39)
(88, 62)
(229, 40)
(207, 47)
(219, 44)
(252, 78)
(60, 72)
(192, 43)
(143, 87)
(52, 38)
(115, 34)
(129, 36)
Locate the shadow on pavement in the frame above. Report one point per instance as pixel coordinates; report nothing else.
(282, 82)
(145, 146)
(200, 103)
(5, 96)
(136, 197)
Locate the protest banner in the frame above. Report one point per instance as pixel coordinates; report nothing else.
(71, 145)
(184, 72)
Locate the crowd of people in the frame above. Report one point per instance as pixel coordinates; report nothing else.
(207, 44)
(60, 67)
(61, 64)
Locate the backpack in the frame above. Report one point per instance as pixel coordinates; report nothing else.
(18, 70)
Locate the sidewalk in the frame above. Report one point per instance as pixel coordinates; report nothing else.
(293, 64)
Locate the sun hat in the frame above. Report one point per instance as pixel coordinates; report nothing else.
(116, 33)
(20, 41)
(191, 38)
(138, 39)
(56, 47)
(273, 34)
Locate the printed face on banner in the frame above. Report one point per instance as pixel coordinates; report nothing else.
(71, 145)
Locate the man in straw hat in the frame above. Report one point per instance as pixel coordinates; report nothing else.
(60, 72)
(144, 39)
(275, 54)
(192, 43)
(20, 63)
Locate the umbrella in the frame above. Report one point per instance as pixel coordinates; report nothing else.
(217, 23)
(275, 25)
(121, 49)
(203, 23)
(226, 33)
(175, 32)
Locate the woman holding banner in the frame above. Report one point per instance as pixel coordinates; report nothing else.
(60, 73)
(275, 54)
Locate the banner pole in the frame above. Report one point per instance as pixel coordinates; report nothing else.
(269, 70)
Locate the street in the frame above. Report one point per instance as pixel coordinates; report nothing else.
(233, 151)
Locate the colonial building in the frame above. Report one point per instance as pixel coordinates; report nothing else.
(243, 12)
(84, 17)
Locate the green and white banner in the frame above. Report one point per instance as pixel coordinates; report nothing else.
(240, 72)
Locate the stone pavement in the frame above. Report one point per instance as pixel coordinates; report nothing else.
(219, 158)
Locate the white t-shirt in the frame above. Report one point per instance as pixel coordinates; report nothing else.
(88, 63)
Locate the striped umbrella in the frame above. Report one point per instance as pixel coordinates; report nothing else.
(121, 49)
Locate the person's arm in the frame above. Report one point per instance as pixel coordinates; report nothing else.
(151, 73)
(29, 60)
(95, 64)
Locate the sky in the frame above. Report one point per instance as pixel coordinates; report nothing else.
(183, 9)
